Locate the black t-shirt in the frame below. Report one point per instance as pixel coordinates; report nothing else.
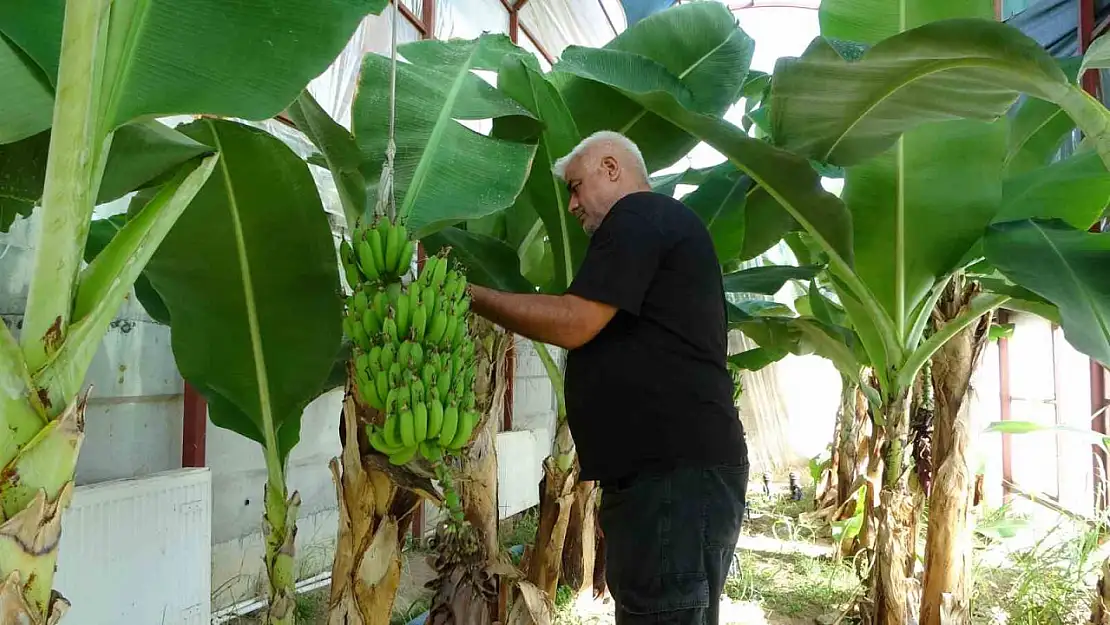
(651, 391)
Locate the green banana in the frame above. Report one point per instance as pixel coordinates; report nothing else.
(417, 356)
(457, 364)
(373, 397)
(437, 328)
(377, 248)
(393, 293)
(443, 382)
(468, 376)
(377, 441)
(428, 296)
(440, 274)
(408, 427)
(451, 329)
(360, 337)
(374, 359)
(350, 268)
(467, 420)
(420, 421)
(359, 303)
(428, 376)
(461, 332)
(425, 277)
(418, 391)
(419, 322)
(390, 432)
(389, 328)
(468, 399)
(389, 356)
(393, 250)
(370, 323)
(449, 283)
(462, 306)
(460, 290)
(404, 354)
(435, 417)
(381, 380)
(430, 450)
(381, 304)
(402, 457)
(394, 374)
(366, 262)
(450, 425)
(405, 262)
(347, 330)
(403, 316)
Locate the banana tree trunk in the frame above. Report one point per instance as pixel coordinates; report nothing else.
(37, 490)
(894, 598)
(467, 587)
(579, 548)
(556, 500)
(374, 516)
(946, 594)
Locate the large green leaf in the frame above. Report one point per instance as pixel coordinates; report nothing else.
(767, 280)
(544, 193)
(1065, 266)
(1076, 190)
(844, 112)
(756, 358)
(250, 277)
(741, 217)
(1037, 128)
(444, 172)
(698, 43)
(30, 110)
(141, 152)
(340, 152)
(871, 21)
(489, 262)
(233, 58)
(918, 208)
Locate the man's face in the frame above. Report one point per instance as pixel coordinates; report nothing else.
(591, 189)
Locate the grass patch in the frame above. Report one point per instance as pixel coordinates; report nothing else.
(792, 584)
(418, 607)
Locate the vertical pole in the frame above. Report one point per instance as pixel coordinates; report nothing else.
(1004, 412)
(193, 428)
(1091, 80)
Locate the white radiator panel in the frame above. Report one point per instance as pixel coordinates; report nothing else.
(138, 551)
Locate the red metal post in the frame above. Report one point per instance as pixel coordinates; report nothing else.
(193, 428)
(1091, 79)
(510, 384)
(1004, 412)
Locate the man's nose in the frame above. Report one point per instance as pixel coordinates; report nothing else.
(572, 204)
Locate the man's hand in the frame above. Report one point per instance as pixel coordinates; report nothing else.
(567, 321)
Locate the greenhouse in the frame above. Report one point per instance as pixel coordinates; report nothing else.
(355, 312)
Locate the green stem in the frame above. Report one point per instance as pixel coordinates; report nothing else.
(556, 378)
(926, 311)
(280, 525)
(980, 305)
(69, 192)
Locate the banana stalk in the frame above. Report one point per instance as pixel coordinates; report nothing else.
(279, 526)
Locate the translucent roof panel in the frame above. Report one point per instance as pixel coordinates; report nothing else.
(560, 23)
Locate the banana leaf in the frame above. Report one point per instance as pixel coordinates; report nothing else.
(545, 195)
(1065, 266)
(444, 172)
(338, 150)
(1037, 128)
(249, 276)
(204, 56)
(30, 113)
(698, 43)
(1075, 190)
(141, 153)
(767, 280)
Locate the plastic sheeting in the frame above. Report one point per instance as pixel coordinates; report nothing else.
(560, 23)
(1055, 24)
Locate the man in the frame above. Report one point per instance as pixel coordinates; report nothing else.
(649, 398)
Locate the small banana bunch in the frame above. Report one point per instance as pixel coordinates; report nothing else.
(414, 359)
(381, 253)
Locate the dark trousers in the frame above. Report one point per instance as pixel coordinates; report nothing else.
(669, 541)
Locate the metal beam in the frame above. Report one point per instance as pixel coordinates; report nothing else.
(194, 426)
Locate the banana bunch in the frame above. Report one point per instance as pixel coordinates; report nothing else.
(415, 361)
(380, 253)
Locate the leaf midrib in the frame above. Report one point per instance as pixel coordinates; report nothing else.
(564, 231)
(269, 432)
(436, 136)
(910, 78)
(686, 72)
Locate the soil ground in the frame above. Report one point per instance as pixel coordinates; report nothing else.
(1029, 569)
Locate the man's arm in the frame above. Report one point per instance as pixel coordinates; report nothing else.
(567, 321)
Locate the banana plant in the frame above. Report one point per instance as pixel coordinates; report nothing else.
(85, 79)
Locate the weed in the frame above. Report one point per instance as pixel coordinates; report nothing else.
(415, 609)
(520, 530)
(792, 584)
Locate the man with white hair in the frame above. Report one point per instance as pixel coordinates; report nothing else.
(649, 397)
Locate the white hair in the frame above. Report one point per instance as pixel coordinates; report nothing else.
(613, 139)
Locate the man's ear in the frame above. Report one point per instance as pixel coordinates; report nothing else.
(612, 167)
